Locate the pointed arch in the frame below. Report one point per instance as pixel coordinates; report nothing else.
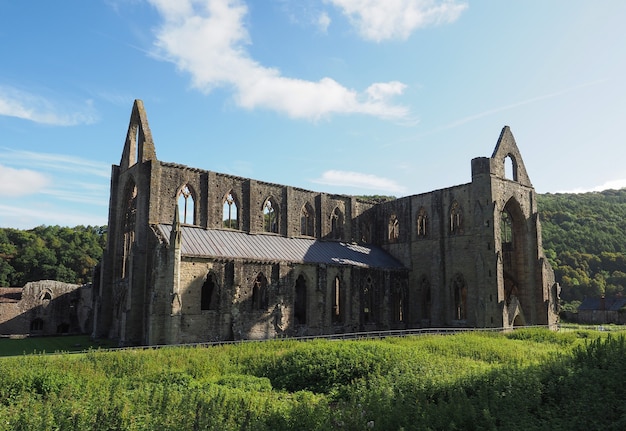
(398, 303)
(209, 295)
(230, 211)
(260, 294)
(186, 205)
(512, 239)
(336, 223)
(300, 301)
(129, 222)
(394, 228)
(368, 301)
(459, 292)
(337, 301)
(270, 215)
(456, 218)
(307, 220)
(422, 223)
(510, 167)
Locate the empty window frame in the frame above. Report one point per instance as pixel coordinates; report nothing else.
(209, 296)
(186, 208)
(422, 223)
(270, 216)
(394, 228)
(307, 220)
(456, 218)
(230, 214)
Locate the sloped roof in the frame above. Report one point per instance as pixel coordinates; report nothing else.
(610, 303)
(233, 244)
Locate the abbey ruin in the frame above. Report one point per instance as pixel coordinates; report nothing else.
(196, 256)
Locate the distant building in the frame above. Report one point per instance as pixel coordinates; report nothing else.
(45, 308)
(194, 255)
(603, 310)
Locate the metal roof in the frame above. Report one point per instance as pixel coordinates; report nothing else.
(234, 244)
(607, 304)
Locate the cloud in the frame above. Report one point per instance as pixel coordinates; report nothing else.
(609, 185)
(207, 39)
(19, 182)
(56, 162)
(396, 19)
(359, 180)
(21, 104)
(323, 21)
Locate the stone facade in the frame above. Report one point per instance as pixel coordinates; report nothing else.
(46, 308)
(194, 255)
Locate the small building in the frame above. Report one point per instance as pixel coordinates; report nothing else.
(601, 310)
(45, 307)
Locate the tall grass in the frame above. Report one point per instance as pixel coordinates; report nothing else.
(529, 379)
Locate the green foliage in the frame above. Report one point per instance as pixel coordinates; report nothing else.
(50, 253)
(527, 379)
(584, 236)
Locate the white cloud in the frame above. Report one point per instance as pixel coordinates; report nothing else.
(19, 182)
(21, 104)
(207, 39)
(609, 185)
(359, 180)
(323, 21)
(56, 162)
(396, 19)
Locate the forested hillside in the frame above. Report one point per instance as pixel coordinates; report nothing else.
(584, 236)
(50, 253)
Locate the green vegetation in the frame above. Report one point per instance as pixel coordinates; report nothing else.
(50, 253)
(66, 343)
(528, 379)
(584, 236)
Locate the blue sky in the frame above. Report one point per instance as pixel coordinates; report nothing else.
(344, 96)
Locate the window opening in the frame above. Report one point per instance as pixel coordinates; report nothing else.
(336, 223)
(270, 218)
(299, 312)
(456, 218)
(460, 298)
(307, 218)
(510, 168)
(394, 228)
(129, 228)
(399, 303)
(422, 218)
(209, 295)
(337, 301)
(425, 286)
(260, 300)
(186, 204)
(368, 292)
(230, 215)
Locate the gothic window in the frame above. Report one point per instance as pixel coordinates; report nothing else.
(366, 232)
(506, 230)
(456, 218)
(459, 289)
(510, 168)
(336, 223)
(368, 296)
(307, 220)
(398, 305)
(260, 297)
(337, 306)
(394, 228)
(422, 223)
(299, 306)
(36, 325)
(209, 295)
(230, 217)
(130, 216)
(186, 206)
(270, 216)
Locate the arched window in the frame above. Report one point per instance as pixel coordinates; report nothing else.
(260, 297)
(506, 231)
(230, 217)
(459, 289)
(270, 216)
(209, 296)
(368, 301)
(337, 307)
(307, 220)
(336, 223)
(510, 167)
(130, 219)
(300, 303)
(422, 222)
(366, 231)
(186, 206)
(394, 228)
(398, 304)
(456, 218)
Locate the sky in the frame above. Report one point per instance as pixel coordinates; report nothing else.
(358, 97)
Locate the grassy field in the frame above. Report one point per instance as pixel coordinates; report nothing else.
(30, 345)
(528, 379)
